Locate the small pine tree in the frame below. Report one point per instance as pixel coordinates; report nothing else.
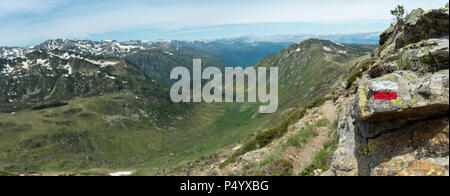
(399, 13)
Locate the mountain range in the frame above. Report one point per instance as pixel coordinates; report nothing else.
(85, 106)
(242, 51)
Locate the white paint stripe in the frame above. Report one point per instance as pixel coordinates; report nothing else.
(384, 86)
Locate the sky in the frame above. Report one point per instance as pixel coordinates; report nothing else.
(29, 22)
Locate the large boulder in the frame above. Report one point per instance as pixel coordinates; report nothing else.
(427, 93)
(430, 24)
(416, 97)
(398, 123)
(413, 17)
(429, 55)
(393, 146)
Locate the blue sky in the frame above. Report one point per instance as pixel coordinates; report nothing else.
(28, 22)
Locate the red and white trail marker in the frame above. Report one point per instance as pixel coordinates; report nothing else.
(385, 90)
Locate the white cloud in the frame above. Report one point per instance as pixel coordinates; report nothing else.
(80, 21)
(25, 6)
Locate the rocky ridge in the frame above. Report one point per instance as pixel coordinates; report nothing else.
(407, 135)
(83, 47)
(49, 77)
(155, 58)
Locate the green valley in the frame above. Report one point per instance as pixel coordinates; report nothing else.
(135, 126)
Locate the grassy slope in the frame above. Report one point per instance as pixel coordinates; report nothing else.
(78, 136)
(70, 139)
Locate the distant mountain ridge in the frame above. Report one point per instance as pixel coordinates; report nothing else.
(52, 76)
(312, 67)
(242, 51)
(345, 38)
(156, 59)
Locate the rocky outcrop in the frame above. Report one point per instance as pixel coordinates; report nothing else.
(418, 44)
(424, 25)
(406, 132)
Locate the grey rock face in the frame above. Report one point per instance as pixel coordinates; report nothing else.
(346, 159)
(414, 16)
(431, 24)
(419, 96)
(405, 134)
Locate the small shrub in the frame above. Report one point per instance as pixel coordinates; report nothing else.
(322, 122)
(404, 64)
(352, 78)
(357, 73)
(305, 133)
(318, 101)
(428, 62)
(302, 137)
(281, 167)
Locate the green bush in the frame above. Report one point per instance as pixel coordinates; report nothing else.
(281, 167)
(322, 122)
(357, 73)
(352, 78)
(302, 136)
(305, 133)
(318, 101)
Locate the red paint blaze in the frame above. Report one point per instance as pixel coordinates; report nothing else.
(383, 95)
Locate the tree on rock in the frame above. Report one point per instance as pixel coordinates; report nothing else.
(399, 13)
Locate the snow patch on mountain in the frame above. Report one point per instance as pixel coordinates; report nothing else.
(12, 53)
(68, 68)
(168, 53)
(101, 63)
(327, 49)
(342, 52)
(7, 70)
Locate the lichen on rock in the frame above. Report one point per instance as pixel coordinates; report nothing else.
(406, 134)
(419, 96)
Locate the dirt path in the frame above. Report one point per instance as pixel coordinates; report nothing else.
(303, 156)
(329, 111)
